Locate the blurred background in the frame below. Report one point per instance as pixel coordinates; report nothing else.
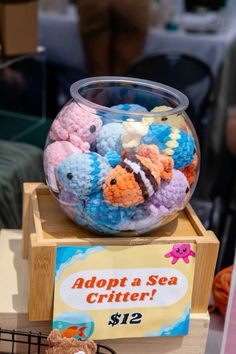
(47, 45)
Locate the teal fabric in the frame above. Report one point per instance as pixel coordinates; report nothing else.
(19, 163)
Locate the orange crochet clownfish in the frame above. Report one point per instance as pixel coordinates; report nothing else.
(137, 177)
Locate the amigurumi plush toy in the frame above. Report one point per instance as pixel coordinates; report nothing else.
(54, 154)
(172, 195)
(176, 120)
(190, 171)
(64, 345)
(137, 176)
(75, 124)
(126, 107)
(133, 133)
(173, 142)
(143, 216)
(104, 216)
(84, 173)
(109, 138)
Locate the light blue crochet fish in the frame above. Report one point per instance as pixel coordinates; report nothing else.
(173, 142)
(109, 138)
(83, 174)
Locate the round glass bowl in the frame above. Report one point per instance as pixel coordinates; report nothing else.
(122, 156)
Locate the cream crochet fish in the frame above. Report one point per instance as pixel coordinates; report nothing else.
(176, 120)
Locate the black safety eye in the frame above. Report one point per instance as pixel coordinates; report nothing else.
(194, 150)
(187, 190)
(184, 249)
(177, 250)
(164, 118)
(113, 181)
(69, 175)
(92, 129)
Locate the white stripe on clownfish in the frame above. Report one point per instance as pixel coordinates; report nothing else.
(137, 169)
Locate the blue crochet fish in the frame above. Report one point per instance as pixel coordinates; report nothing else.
(173, 142)
(84, 174)
(126, 107)
(105, 215)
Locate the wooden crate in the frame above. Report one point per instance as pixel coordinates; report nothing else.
(45, 226)
(13, 310)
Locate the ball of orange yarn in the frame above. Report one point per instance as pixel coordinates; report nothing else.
(220, 289)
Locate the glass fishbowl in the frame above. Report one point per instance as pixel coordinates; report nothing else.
(122, 156)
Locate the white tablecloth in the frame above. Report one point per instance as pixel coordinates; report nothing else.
(210, 48)
(59, 33)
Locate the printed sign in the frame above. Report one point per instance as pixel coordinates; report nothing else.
(104, 292)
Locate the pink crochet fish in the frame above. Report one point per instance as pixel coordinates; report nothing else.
(76, 125)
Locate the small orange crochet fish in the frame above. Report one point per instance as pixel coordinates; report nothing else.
(137, 177)
(72, 331)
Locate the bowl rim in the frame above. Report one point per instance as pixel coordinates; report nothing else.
(179, 96)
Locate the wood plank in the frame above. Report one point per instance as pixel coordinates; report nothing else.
(207, 252)
(36, 214)
(28, 188)
(195, 221)
(41, 280)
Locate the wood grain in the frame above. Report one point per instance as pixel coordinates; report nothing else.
(41, 280)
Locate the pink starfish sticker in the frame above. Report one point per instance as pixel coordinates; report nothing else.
(180, 250)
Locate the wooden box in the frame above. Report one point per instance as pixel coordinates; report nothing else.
(18, 22)
(45, 226)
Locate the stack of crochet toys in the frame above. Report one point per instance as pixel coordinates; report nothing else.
(121, 174)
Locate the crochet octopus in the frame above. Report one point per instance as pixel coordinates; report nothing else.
(180, 250)
(75, 124)
(137, 177)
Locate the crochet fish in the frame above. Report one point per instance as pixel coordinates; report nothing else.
(173, 142)
(83, 174)
(176, 120)
(103, 216)
(172, 195)
(109, 138)
(126, 107)
(137, 176)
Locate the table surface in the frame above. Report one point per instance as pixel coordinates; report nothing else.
(211, 48)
